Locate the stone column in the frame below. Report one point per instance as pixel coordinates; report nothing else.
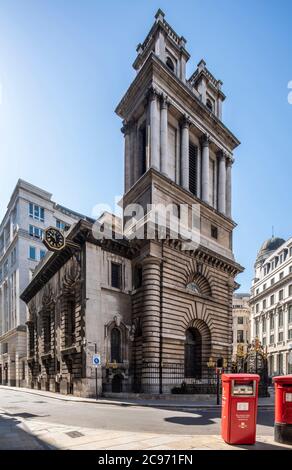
(151, 323)
(222, 183)
(205, 168)
(164, 135)
(154, 130)
(185, 152)
(127, 157)
(229, 187)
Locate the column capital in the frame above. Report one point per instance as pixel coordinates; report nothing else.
(221, 155)
(127, 126)
(185, 121)
(164, 101)
(205, 140)
(229, 159)
(152, 93)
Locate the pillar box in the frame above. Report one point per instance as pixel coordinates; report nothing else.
(283, 409)
(239, 408)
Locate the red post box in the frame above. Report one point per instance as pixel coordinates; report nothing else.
(239, 408)
(283, 409)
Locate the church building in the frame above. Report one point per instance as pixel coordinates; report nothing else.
(158, 313)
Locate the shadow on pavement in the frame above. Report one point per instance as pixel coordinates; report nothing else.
(197, 420)
(264, 446)
(15, 436)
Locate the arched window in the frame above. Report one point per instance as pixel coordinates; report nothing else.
(116, 345)
(193, 287)
(209, 104)
(193, 353)
(170, 64)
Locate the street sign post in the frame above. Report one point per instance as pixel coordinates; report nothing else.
(96, 360)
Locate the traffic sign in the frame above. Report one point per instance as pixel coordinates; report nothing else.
(96, 360)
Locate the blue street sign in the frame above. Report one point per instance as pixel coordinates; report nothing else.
(96, 360)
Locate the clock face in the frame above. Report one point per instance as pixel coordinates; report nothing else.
(54, 239)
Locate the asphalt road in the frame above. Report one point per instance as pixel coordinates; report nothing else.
(124, 418)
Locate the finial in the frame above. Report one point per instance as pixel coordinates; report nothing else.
(159, 15)
(202, 64)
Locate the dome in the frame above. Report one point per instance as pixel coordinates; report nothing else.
(267, 248)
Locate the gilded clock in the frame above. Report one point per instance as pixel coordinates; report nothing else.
(54, 239)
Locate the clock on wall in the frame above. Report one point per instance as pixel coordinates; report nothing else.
(53, 239)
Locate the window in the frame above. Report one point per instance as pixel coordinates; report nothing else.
(290, 334)
(5, 268)
(170, 64)
(290, 289)
(240, 320)
(264, 325)
(116, 345)
(264, 342)
(272, 340)
(272, 281)
(116, 275)
(240, 338)
(62, 225)
(281, 294)
(42, 254)
(36, 212)
(47, 332)
(35, 231)
(280, 319)
(32, 253)
(290, 269)
(193, 168)
(257, 327)
(290, 314)
(257, 291)
(71, 323)
(209, 104)
(272, 322)
(281, 275)
(280, 363)
(214, 232)
(264, 286)
(272, 300)
(280, 336)
(137, 277)
(257, 308)
(265, 303)
(142, 149)
(13, 256)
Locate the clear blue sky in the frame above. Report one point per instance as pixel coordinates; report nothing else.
(64, 66)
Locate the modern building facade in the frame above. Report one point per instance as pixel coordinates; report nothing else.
(241, 323)
(156, 310)
(271, 303)
(29, 211)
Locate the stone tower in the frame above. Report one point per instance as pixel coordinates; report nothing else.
(178, 151)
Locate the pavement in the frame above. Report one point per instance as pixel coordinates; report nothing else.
(32, 419)
(176, 402)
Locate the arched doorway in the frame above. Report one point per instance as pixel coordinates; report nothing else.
(193, 353)
(117, 383)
